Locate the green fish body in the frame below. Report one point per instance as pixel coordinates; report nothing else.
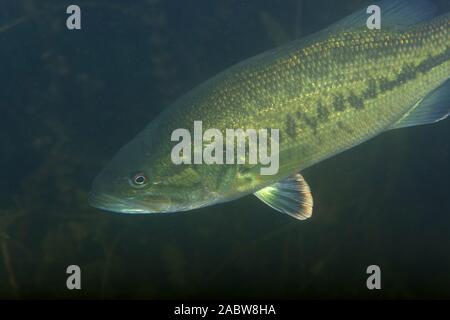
(325, 94)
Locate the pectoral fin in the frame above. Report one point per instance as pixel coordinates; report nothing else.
(433, 108)
(291, 196)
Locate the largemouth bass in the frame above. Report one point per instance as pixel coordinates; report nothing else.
(326, 93)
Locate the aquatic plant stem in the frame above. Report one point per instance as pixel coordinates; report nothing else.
(8, 266)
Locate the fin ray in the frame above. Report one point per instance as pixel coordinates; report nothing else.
(291, 196)
(433, 108)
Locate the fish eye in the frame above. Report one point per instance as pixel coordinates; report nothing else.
(139, 179)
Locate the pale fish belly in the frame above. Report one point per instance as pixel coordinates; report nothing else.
(326, 93)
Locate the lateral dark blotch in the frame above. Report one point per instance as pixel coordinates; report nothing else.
(433, 61)
(290, 126)
(322, 112)
(444, 56)
(338, 102)
(355, 101)
(371, 91)
(426, 64)
(386, 84)
(407, 73)
(310, 122)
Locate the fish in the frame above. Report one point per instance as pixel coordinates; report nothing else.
(325, 93)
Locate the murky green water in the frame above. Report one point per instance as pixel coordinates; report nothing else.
(70, 99)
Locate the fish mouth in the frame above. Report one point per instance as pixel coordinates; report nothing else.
(108, 202)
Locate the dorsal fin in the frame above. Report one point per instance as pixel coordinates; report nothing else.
(291, 196)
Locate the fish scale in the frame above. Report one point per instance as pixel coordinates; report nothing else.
(377, 75)
(326, 93)
(320, 83)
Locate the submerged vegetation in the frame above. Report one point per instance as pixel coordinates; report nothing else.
(69, 100)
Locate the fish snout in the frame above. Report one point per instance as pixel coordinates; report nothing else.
(108, 202)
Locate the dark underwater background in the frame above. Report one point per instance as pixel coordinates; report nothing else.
(70, 99)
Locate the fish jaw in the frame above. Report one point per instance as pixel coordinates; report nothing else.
(107, 202)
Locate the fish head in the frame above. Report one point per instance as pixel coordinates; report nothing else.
(141, 178)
